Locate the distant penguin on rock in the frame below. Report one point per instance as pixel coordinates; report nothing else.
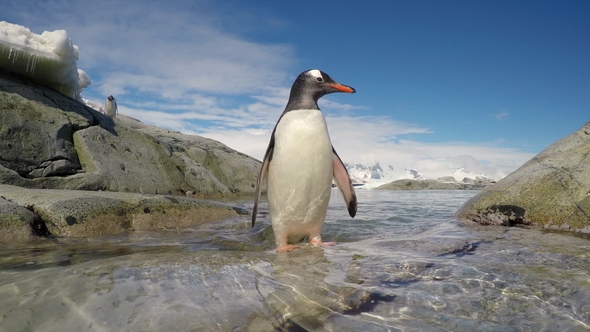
(301, 162)
(110, 107)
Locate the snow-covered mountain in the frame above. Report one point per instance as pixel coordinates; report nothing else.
(462, 176)
(376, 175)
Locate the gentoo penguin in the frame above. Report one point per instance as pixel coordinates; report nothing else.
(301, 162)
(110, 107)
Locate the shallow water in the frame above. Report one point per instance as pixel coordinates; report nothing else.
(402, 264)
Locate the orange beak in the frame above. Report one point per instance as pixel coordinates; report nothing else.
(342, 87)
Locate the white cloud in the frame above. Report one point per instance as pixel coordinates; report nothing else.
(501, 116)
(178, 68)
(361, 146)
(163, 49)
(358, 139)
(204, 60)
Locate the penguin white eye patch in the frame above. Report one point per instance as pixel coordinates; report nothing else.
(315, 73)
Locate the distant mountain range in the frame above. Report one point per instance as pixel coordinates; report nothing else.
(376, 175)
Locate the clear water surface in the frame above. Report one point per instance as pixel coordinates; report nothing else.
(403, 264)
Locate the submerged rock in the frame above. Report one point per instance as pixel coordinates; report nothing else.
(551, 190)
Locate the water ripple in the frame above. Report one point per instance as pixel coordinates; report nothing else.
(402, 265)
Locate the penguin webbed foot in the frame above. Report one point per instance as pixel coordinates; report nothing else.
(316, 241)
(286, 247)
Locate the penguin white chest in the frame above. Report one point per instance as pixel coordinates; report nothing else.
(300, 174)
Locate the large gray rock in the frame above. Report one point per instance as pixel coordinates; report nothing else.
(48, 140)
(36, 131)
(80, 213)
(16, 221)
(551, 190)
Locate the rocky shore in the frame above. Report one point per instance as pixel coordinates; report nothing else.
(444, 183)
(87, 175)
(552, 190)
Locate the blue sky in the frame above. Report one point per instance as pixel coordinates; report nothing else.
(440, 84)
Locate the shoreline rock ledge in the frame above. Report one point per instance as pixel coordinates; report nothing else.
(71, 156)
(25, 213)
(552, 190)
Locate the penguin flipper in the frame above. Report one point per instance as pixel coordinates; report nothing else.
(263, 170)
(344, 183)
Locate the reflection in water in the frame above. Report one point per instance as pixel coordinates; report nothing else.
(401, 265)
(302, 300)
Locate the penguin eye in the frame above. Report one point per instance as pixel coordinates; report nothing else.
(319, 79)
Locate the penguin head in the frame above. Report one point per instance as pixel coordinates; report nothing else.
(111, 97)
(318, 84)
(310, 86)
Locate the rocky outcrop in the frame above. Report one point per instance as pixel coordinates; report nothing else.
(44, 212)
(551, 190)
(48, 140)
(16, 222)
(88, 176)
(443, 183)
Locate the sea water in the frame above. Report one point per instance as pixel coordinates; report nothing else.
(402, 264)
